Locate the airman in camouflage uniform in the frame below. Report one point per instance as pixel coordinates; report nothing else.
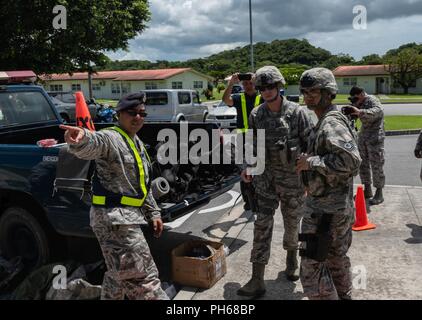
(418, 150)
(286, 126)
(330, 164)
(371, 142)
(122, 178)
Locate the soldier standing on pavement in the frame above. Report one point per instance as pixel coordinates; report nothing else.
(418, 150)
(287, 126)
(371, 142)
(122, 201)
(329, 165)
(244, 103)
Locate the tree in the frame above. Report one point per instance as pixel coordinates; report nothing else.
(292, 72)
(30, 41)
(371, 59)
(405, 67)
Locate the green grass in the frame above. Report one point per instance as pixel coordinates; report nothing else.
(400, 123)
(112, 103)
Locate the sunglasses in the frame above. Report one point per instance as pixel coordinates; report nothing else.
(133, 113)
(263, 88)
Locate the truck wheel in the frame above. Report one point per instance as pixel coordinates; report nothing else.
(205, 117)
(22, 235)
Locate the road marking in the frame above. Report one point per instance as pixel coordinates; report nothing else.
(229, 204)
(178, 222)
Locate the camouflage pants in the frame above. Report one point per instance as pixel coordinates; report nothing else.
(268, 197)
(329, 280)
(371, 149)
(131, 268)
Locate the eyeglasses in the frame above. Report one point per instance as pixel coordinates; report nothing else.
(133, 113)
(312, 93)
(268, 87)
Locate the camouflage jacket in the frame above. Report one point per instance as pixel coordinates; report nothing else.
(372, 116)
(286, 134)
(116, 172)
(419, 142)
(334, 161)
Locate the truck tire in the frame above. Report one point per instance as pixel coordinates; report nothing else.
(205, 118)
(22, 235)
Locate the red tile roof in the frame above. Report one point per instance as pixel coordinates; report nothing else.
(370, 70)
(127, 75)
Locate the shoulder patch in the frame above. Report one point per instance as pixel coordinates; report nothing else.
(349, 146)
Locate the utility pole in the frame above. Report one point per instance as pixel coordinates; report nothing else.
(251, 38)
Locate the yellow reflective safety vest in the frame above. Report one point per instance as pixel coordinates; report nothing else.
(105, 198)
(245, 112)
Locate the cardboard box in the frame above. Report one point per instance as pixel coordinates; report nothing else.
(198, 272)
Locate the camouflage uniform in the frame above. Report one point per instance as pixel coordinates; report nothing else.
(419, 148)
(286, 135)
(333, 163)
(131, 268)
(371, 142)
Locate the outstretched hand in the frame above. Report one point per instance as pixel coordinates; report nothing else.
(73, 135)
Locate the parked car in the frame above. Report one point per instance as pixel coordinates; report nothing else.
(224, 115)
(65, 103)
(171, 105)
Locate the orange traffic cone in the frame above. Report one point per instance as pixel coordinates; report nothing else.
(361, 222)
(83, 117)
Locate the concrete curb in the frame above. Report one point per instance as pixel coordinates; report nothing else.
(402, 132)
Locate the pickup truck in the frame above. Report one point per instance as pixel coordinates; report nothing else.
(175, 105)
(41, 205)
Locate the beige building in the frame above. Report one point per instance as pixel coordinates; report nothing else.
(115, 84)
(375, 79)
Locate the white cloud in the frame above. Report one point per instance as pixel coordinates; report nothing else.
(186, 29)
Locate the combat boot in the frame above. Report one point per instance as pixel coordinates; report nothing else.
(292, 270)
(368, 191)
(256, 286)
(378, 198)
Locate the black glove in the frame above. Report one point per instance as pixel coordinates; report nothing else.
(418, 153)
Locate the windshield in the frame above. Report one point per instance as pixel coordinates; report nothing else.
(18, 108)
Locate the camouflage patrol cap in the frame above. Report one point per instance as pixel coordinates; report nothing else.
(131, 101)
(319, 78)
(269, 75)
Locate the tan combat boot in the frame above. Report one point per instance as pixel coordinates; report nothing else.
(292, 270)
(256, 286)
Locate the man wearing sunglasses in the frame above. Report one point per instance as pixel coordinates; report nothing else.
(244, 104)
(122, 201)
(371, 142)
(287, 126)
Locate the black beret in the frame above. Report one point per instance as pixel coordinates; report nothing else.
(131, 101)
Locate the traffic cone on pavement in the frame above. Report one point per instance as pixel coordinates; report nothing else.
(361, 222)
(83, 117)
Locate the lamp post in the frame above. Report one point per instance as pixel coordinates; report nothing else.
(251, 38)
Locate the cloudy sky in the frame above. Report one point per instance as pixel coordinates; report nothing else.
(186, 29)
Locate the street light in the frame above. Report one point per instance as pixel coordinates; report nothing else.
(251, 39)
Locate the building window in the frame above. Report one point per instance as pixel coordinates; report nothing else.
(56, 87)
(115, 88)
(96, 87)
(125, 88)
(76, 87)
(350, 81)
(150, 85)
(177, 85)
(198, 84)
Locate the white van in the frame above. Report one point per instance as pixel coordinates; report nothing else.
(170, 105)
